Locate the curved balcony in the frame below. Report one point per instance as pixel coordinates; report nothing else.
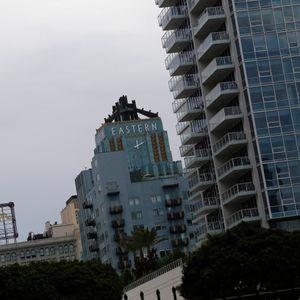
(195, 132)
(190, 109)
(210, 20)
(221, 94)
(213, 45)
(201, 157)
(209, 228)
(172, 17)
(234, 168)
(177, 40)
(197, 6)
(180, 63)
(166, 3)
(231, 141)
(201, 181)
(243, 215)
(206, 205)
(218, 69)
(184, 86)
(238, 193)
(226, 118)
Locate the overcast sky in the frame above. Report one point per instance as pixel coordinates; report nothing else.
(63, 64)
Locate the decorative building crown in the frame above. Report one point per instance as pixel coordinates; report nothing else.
(124, 111)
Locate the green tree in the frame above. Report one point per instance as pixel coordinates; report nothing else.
(246, 259)
(64, 280)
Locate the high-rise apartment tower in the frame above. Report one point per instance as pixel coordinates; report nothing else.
(235, 77)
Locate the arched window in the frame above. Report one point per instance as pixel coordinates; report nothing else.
(158, 294)
(174, 293)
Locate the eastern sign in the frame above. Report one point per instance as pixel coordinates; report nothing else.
(134, 128)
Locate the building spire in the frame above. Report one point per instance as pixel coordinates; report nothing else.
(124, 111)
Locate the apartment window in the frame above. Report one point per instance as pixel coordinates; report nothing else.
(71, 248)
(158, 212)
(42, 252)
(136, 215)
(134, 201)
(66, 248)
(52, 251)
(156, 199)
(47, 252)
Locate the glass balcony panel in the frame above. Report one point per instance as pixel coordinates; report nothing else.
(180, 63)
(195, 132)
(229, 142)
(205, 206)
(234, 168)
(184, 86)
(238, 192)
(221, 94)
(210, 19)
(246, 215)
(214, 44)
(191, 109)
(218, 69)
(226, 118)
(177, 40)
(172, 17)
(201, 157)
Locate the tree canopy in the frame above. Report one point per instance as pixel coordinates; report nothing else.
(245, 259)
(63, 280)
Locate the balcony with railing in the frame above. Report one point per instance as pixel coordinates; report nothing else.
(209, 228)
(210, 20)
(177, 40)
(201, 157)
(234, 168)
(206, 205)
(213, 45)
(226, 118)
(172, 17)
(201, 181)
(221, 94)
(173, 202)
(243, 215)
(191, 109)
(166, 3)
(237, 193)
(184, 86)
(176, 215)
(180, 242)
(231, 141)
(197, 6)
(180, 63)
(118, 223)
(195, 132)
(116, 209)
(218, 69)
(186, 150)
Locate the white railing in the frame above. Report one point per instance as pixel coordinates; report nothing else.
(171, 37)
(178, 83)
(169, 13)
(221, 116)
(221, 87)
(208, 12)
(233, 163)
(184, 149)
(173, 265)
(210, 226)
(175, 60)
(192, 104)
(219, 36)
(227, 139)
(236, 189)
(195, 128)
(214, 64)
(242, 214)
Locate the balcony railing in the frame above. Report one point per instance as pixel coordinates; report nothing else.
(180, 242)
(177, 40)
(249, 214)
(201, 178)
(210, 19)
(210, 227)
(180, 63)
(197, 6)
(166, 3)
(221, 94)
(215, 43)
(196, 130)
(116, 209)
(205, 205)
(168, 17)
(191, 109)
(176, 215)
(219, 66)
(201, 155)
(186, 150)
(233, 164)
(184, 86)
(226, 116)
(237, 191)
(173, 202)
(227, 139)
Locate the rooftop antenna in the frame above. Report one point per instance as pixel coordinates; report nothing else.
(8, 223)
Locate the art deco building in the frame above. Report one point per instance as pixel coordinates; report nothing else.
(235, 78)
(133, 183)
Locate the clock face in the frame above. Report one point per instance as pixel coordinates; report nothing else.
(138, 144)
